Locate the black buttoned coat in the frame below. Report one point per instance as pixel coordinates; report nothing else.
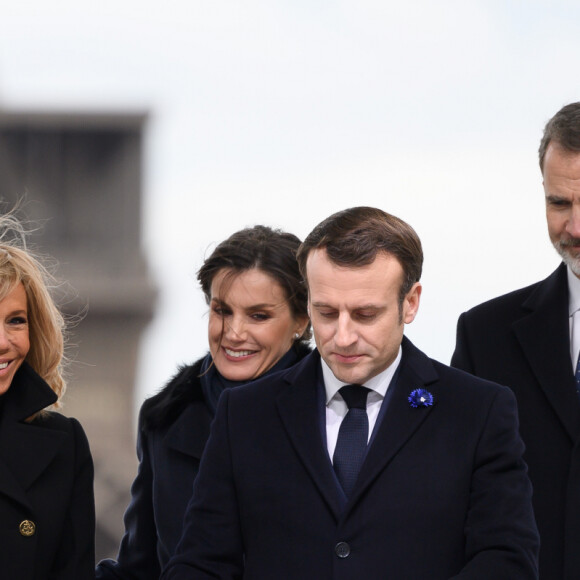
(443, 492)
(522, 340)
(47, 516)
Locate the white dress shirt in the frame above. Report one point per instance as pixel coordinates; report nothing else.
(336, 407)
(574, 313)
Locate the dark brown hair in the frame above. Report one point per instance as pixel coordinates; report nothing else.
(563, 128)
(270, 250)
(353, 237)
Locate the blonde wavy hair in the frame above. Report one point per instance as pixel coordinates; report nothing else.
(45, 322)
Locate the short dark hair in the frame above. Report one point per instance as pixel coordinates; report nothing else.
(353, 237)
(270, 250)
(563, 128)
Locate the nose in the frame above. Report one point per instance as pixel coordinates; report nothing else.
(345, 334)
(4, 339)
(573, 225)
(235, 329)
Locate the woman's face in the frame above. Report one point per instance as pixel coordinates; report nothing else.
(250, 323)
(14, 341)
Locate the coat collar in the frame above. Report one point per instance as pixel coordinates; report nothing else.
(188, 434)
(26, 449)
(28, 394)
(400, 421)
(544, 336)
(298, 408)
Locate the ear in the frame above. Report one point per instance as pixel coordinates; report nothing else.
(411, 303)
(301, 324)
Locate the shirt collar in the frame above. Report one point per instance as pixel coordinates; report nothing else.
(573, 292)
(379, 383)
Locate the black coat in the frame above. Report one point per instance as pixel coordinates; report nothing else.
(47, 516)
(442, 493)
(522, 340)
(174, 427)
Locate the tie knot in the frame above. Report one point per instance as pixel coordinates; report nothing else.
(355, 396)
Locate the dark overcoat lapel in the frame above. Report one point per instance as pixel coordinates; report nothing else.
(298, 408)
(189, 433)
(543, 333)
(400, 421)
(31, 449)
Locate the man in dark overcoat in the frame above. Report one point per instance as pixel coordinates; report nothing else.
(529, 340)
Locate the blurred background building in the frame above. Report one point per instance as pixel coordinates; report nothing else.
(78, 180)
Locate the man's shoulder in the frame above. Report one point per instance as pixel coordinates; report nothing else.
(453, 377)
(503, 305)
(511, 303)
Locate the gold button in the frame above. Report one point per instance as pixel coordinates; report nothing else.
(27, 528)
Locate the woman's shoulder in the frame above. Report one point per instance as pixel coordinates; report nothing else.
(164, 407)
(58, 422)
(69, 425)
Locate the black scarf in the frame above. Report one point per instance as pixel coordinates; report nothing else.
(213, 384)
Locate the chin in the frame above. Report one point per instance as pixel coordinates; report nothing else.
(346, 377)
(236, 374)
(573, 262)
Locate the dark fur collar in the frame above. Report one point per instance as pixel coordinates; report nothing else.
(184, 388)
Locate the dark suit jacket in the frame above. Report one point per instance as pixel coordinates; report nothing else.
(443, 491)
(46, 477)
(522, 340)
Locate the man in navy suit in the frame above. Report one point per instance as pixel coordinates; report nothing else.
(529, 340)
(420, 478)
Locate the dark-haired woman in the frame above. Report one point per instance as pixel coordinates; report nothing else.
(258, 324)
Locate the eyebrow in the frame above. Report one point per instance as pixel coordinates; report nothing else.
(552, 197)
(360, 307)
(251, 307)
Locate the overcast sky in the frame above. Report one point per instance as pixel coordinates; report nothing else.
(284, 112)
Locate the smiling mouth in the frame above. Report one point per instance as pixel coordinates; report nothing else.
(3, 365)
(238, 353)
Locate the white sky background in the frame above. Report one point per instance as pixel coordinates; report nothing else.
(284, 112)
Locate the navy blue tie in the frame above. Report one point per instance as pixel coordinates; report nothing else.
(351, 444)
(577, 376)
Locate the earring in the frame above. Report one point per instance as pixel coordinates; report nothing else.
(296, 335)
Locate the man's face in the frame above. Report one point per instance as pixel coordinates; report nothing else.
(355, 314)
(562, 189)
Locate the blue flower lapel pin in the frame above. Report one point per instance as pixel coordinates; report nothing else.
(420, 398)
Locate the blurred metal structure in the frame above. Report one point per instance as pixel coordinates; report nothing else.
(79, 176)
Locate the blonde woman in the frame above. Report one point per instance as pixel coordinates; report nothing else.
(47, 516)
